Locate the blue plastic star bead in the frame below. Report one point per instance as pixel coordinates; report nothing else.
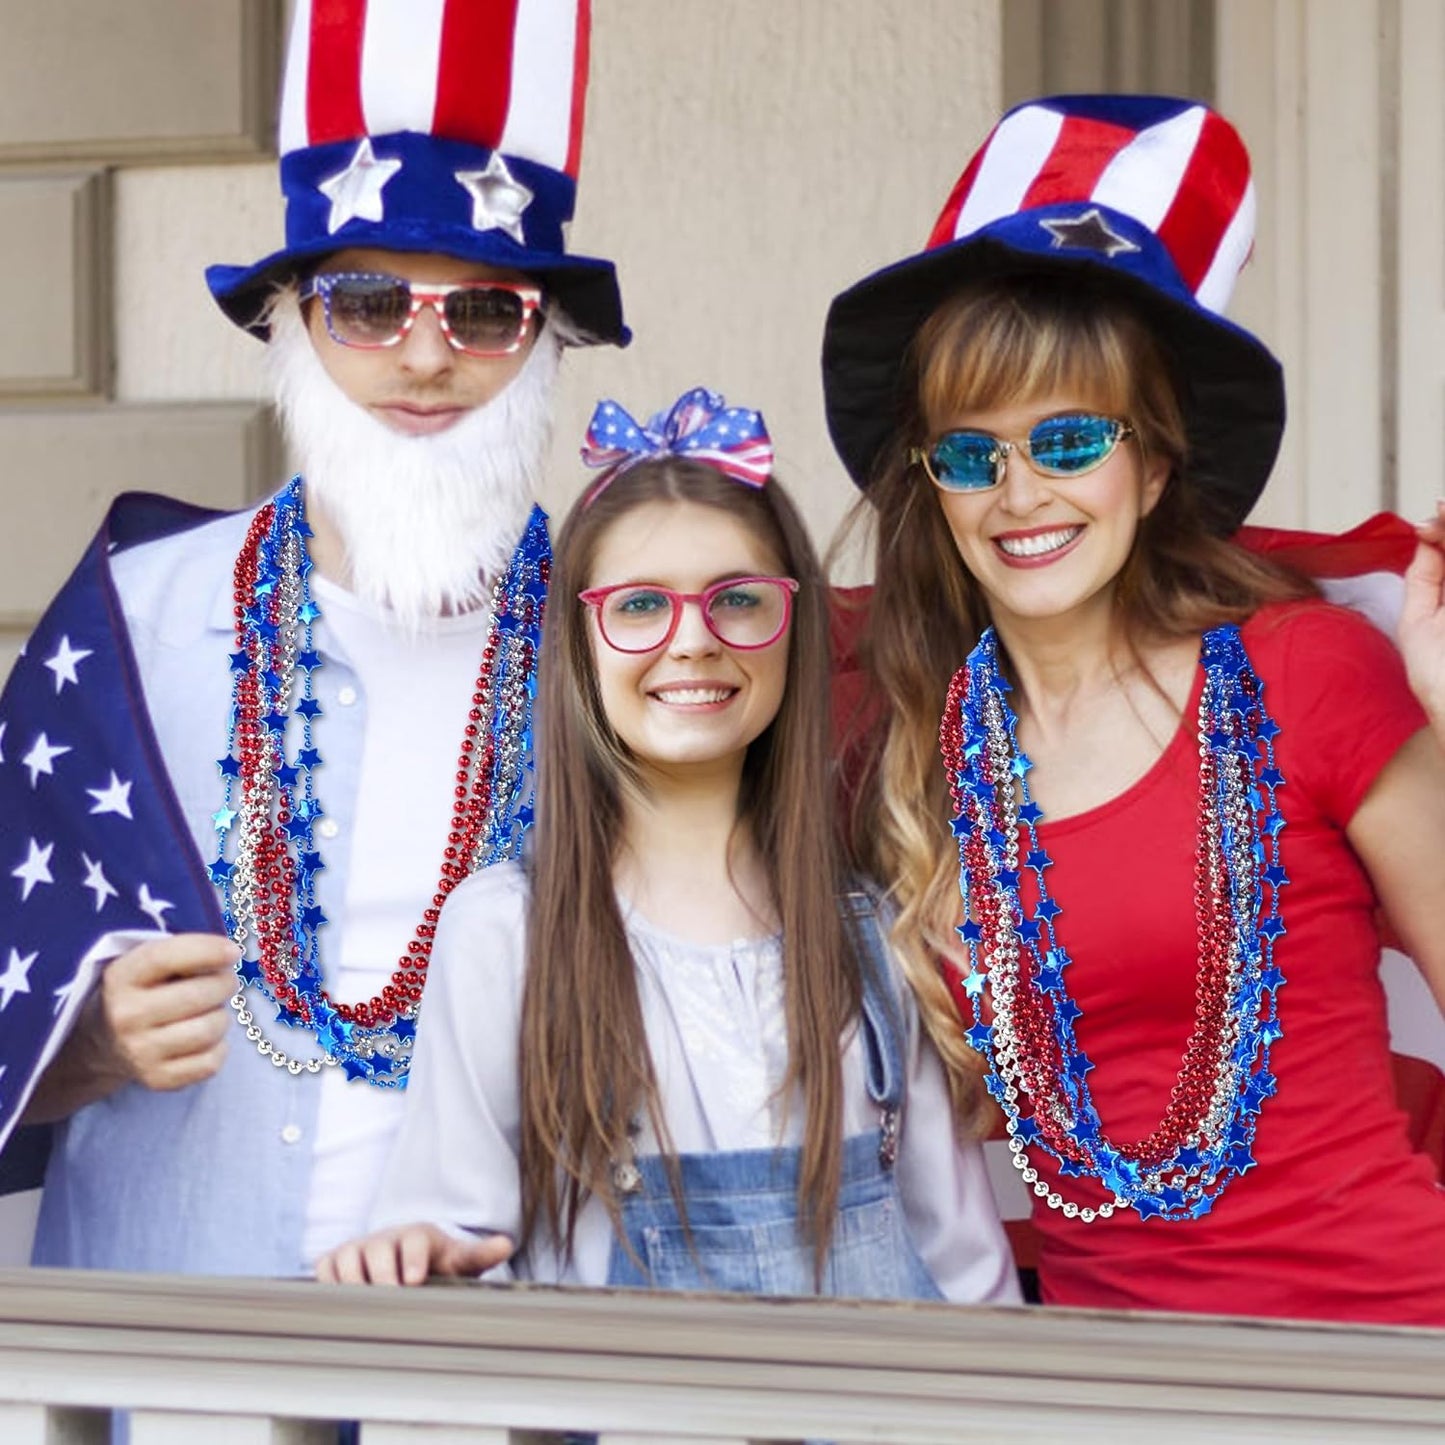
(974, 983)
(978, 1037)
(308, 707)
(223, 818)
(240, 662)
(1030, 813)
(230, 767)
(249, 971)
(404, 1029)
(355, 1068)
(970, 932)
(220, 872)
(1025, 1129)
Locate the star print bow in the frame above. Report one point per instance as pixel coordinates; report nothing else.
(700, 427)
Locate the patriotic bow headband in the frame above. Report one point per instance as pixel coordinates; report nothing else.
(701, 427)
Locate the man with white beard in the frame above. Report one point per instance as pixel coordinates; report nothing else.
(319, 714)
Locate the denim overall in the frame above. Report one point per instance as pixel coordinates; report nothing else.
(742, 1215)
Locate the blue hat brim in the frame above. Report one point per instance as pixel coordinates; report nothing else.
(585, 287)
(1232, 386)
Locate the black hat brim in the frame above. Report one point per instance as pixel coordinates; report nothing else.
(1232, 387)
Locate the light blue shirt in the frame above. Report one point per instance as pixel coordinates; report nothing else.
(214, 1178)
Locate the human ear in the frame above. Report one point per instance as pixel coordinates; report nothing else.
(1157, 472)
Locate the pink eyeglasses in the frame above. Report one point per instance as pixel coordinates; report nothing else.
(742, 612)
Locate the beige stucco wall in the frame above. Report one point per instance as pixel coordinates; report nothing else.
(743, 162)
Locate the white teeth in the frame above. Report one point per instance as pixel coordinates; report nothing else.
(1039, 543)
(693, 695)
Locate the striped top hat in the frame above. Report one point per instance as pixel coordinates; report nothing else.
(1144, 197)
(451, 126)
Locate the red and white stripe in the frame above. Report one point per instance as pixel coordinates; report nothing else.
(1186, 178)
(510, 75)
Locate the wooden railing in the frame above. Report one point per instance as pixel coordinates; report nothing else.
(242, 1362)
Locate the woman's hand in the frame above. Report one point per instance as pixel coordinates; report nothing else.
(409, 1254)
(1421, 630)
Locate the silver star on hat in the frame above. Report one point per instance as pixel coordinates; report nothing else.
(498, 198)
(356, 191)
(1089, 232)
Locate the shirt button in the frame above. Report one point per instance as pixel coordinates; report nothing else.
(291, 1134)
(328, 828)
(346, 695)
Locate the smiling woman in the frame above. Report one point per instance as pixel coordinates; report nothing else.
(1176, 779)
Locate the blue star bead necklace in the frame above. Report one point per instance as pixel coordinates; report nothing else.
(267, 860)
(1037, 1072)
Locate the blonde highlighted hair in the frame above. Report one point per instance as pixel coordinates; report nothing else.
(1006, 343)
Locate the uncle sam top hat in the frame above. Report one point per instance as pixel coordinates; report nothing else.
(451, 126)
(1147, 197)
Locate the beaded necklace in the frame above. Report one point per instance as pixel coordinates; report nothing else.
(1206, 1136)
(270, 804)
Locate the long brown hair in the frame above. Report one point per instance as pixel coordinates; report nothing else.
(1005, 343)
(586, 1072)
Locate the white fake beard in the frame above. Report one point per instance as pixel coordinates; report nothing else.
(426, 521)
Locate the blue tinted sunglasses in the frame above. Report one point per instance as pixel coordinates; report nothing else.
(1070, 445)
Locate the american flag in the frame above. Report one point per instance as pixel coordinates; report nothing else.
(92, 839)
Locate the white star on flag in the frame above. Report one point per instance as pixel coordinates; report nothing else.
(35, 869)
(355, 193)
(112, 799)
(64, 662)
(41, 757)
(16, 978)
(153, 907)
(95, 879)
(498, 198)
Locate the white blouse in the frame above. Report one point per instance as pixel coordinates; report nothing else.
(715, 1026)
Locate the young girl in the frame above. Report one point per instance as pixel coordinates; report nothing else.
(671, 1051)
(1178, 782)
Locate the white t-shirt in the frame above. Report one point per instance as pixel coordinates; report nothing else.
(416, 687)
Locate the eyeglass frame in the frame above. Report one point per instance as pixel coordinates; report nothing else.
(419, 295)
(918, 456)
(594, 597)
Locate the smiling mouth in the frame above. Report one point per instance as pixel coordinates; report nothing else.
(1037, 544)
(692, 696)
